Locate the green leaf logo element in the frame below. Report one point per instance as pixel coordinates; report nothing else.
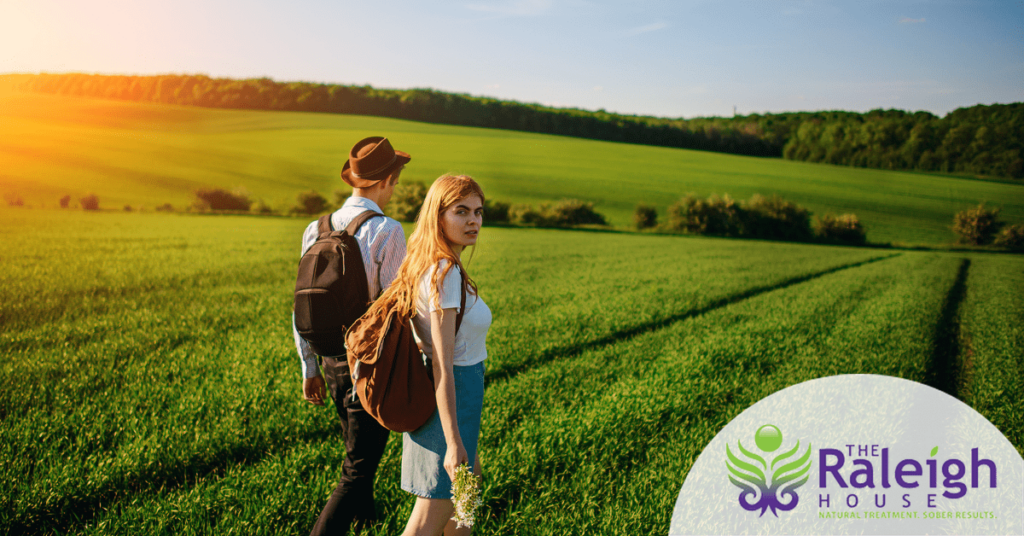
(935, 451)
(793, 470)
(757, 476)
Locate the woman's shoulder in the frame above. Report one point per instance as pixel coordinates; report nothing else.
(442, 265)
(447, 290)
(452, 277)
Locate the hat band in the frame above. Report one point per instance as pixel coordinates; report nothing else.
(376, 171)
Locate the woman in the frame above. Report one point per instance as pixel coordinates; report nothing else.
(429, 286)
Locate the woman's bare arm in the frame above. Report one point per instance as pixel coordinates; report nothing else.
(442, 332)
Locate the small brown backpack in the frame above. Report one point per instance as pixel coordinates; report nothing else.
(392, 382)
(331, 290)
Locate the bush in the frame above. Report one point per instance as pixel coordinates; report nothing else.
(261, 207)
(220, 199)
(90, 202)
(565, 213)
(127, 208)
(522, 214)
(845, 229)
(65, 201)
(406, 201)
(774, 218)
(166, 207)
(14, 199)
(715, 216)
(771, 218)
(570, 212)
(977, 225)
(1012, 236)
(310, 202)
(496, 211)
(645, 216)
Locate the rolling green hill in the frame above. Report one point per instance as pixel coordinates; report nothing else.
(145, 155)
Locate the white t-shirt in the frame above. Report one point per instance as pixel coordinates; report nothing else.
(471, 338)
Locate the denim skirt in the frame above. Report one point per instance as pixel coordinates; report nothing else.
(423, 449)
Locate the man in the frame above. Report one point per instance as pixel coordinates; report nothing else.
(372, 170)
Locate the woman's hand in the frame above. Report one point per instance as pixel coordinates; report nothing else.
(453, 458)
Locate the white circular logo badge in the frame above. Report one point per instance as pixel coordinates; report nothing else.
(855, 454)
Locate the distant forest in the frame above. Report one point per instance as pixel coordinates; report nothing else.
(980, 140)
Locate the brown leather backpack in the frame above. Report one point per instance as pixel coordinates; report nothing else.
(331, 290)
(392, 382)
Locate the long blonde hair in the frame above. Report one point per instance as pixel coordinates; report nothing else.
(428, 245)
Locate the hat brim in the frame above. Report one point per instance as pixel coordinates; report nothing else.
(401, 159)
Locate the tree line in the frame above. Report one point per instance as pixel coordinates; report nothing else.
(984, 140)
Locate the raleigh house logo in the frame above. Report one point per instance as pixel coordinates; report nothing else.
(854, 454)
(769, 485)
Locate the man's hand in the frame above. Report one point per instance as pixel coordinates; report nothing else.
(313, 390)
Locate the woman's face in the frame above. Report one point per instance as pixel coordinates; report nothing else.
(461, 221)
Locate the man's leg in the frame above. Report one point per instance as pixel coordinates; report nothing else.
(365, 440)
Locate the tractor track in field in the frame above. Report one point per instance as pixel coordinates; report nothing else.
(946, 370)
(570, 351)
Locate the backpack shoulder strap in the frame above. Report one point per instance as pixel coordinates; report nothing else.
(359, 220)
(462, 309)
(323, 225)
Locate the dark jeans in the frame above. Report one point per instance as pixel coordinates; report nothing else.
(365, 440)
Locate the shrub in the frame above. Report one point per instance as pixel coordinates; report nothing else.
(166, 207)
(845, 229)
(1012, 236)
(310, 202)
(261, 207)
(645, 216)
(13, 199)
(127, 208)
(677, 213)
(90, 202)
(496, 211)
(713, 216)
(65, 201)
(976, 225)
(522, 214)
(570, 212)
(775, 218)
(565, 213)
(220, 199)
(406, 201)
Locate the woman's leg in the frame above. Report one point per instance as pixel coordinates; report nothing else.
(429, 517)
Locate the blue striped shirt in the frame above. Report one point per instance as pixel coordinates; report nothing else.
(382, 245)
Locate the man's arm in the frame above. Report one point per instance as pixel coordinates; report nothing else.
(310, 367)
(313, 389)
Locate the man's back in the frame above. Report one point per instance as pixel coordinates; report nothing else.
(382, 247)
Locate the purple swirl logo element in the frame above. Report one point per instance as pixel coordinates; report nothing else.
(765, 486)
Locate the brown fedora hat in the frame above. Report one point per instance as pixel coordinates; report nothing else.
(371, 160)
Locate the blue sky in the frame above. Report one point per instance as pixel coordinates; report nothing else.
(667, 58)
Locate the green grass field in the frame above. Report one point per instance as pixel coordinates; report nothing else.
(151, 385)
(146, 155)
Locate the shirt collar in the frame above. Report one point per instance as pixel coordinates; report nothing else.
(363, 203)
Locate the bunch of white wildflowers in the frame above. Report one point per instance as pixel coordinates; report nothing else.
(466, 496)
